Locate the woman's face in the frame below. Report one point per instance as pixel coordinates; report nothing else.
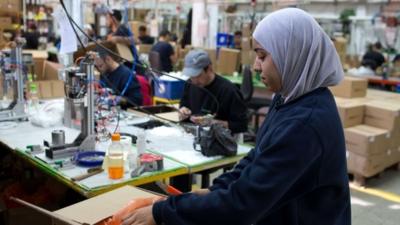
(269, 73)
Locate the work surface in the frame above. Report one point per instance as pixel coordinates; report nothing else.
(170, 141)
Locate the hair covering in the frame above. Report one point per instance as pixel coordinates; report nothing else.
(303, 54)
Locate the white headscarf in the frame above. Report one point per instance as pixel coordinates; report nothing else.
(303, 54)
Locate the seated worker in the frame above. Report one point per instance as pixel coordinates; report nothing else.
(373, 58)
(208, 93)
(118, 77)
(167, 54)
(144, 38)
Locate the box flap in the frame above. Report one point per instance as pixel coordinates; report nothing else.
(98, 208)
(368, 131)
(390, 107)
(124, 51)
(174, 116)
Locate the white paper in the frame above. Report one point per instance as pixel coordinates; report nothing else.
(68, 38)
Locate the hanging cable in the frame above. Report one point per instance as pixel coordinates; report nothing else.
(151, 70)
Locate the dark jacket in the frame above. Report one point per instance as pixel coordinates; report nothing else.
(228, 103)
(296, 175)
(118, 79)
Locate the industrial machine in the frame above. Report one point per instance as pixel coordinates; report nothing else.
(12, 79)
(79, 106)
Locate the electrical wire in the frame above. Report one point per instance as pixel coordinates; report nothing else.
(70, 22)
(138, 63)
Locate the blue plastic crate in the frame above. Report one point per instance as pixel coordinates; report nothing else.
(224, 40)
(169, 89)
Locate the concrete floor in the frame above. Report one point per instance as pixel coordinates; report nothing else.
(379, 203)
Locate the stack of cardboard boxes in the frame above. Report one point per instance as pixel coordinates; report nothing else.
(247, 54)
(228, 61)
(47, 81)
(371, 125)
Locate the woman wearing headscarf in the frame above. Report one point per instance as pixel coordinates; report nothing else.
(296, 174)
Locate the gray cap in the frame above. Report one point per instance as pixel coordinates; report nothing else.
(195, 62)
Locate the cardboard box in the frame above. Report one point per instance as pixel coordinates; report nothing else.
(350, 87)
(365, 166)
(246, 30)
(392, 157)
(57, 89)
(50, 70)
(140, 14)
(183, 52)
(5, 22)
(144, 49)
(3, 42)
(39, 57)
(228, 61)
(212, 53)
(394, 139)
(135, 26)
(121, 49)
(366, 140)
(45, 90)
(340, 45)
(11, 6)
(19, 216)
(383, 114)
(246, 44)
(351, 113)
(124, 51)
(48, 89)
(95, 210)
(382, 95)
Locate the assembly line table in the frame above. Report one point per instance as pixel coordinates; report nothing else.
(24, 133)
(174, 143)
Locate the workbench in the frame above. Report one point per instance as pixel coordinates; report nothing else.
(176, 144)
(180, 158)
(25, 133)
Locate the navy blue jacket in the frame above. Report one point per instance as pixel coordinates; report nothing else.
(117, 80)
(296, 175)
(165, 50)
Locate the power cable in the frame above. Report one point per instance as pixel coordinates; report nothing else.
(139, 63)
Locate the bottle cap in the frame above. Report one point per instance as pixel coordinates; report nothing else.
(115, 137)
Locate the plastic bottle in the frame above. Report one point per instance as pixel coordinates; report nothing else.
(115, 158)
(132, 159)
(34, 98)
(131, 154)
(141, 142)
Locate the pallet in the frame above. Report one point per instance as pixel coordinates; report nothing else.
(361, 180)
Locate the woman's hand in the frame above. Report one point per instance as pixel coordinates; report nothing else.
(142, 216)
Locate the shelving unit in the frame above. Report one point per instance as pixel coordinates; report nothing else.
(40, 15)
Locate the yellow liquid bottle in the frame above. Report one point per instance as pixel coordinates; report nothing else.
(115, 158)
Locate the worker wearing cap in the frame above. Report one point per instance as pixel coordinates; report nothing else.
(208, 93)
